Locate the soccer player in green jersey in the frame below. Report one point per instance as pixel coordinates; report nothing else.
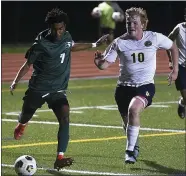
(50, 56)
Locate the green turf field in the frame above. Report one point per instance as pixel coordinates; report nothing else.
(98, 149)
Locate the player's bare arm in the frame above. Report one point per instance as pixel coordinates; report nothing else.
(22, 71)
(100, 59)
(174, 54)
(100, 62)
(83, 46)
(172, 36)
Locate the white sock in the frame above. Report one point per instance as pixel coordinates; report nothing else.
(60, 153)
(180, 102)
(132, 135)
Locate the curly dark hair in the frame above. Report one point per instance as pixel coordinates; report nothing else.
(56, 15)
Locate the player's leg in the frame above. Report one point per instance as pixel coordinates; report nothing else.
(31, 102)
(143, 98)
(123, 96)
(181, 86)
(60, 106)
(183, 93)
(111, 36)
(182, 104)
(122, 100)
(106, 30)
(135, 107)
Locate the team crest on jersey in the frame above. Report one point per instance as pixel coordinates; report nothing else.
(68, 45)
(148, 43)
(147, 94)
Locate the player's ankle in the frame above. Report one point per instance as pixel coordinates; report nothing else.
(60, 155)
(21, 124)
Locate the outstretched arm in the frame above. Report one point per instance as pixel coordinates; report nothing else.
(103, 61)
(22, 71)
(100, 62)
(83, 46)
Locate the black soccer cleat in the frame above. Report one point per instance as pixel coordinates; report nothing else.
(129, 157)
(181, 110)
(136, 151)
(60, 163)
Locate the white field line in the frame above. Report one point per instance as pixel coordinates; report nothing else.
(166, 102)
(96, 126)
(18, 112)
(106, 107)
(73, 171)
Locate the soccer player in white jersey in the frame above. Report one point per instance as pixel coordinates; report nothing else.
(179, 36)
(136, 51)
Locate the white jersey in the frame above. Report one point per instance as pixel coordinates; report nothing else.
(181, 44)
(137, 58)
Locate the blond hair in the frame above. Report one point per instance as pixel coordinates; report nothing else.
(139, 12)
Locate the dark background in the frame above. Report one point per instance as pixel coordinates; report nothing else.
(21, 21)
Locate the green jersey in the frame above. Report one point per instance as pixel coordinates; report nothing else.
(106, 17)
(51, 62)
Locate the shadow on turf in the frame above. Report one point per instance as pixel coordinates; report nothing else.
(161, 169)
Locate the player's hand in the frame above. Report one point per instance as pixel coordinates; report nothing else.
(98, 55)
(172, 77)
(102, 40)
(12, 87)
(170, 65)
(98, 60)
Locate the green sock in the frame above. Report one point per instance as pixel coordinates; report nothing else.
(63, 137)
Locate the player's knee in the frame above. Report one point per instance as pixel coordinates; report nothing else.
(26, 115)
(133, 112)
(65, 119)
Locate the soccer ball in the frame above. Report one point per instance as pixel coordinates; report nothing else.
(96, 12)
(117, 16)
(25, 165)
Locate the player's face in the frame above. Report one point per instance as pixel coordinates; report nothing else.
(134, 26)
(57, 30)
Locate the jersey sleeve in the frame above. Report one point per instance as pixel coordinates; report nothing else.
(73, 43)
(110, 54)
(163, 42)
(33, 53)
(176, 27)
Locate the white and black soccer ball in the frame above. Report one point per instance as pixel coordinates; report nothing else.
(25, 165)
(117, 16)
(96, 12)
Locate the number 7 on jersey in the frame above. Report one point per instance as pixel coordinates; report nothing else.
(62, 56)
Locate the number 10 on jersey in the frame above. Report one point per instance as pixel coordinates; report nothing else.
(140, 57)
